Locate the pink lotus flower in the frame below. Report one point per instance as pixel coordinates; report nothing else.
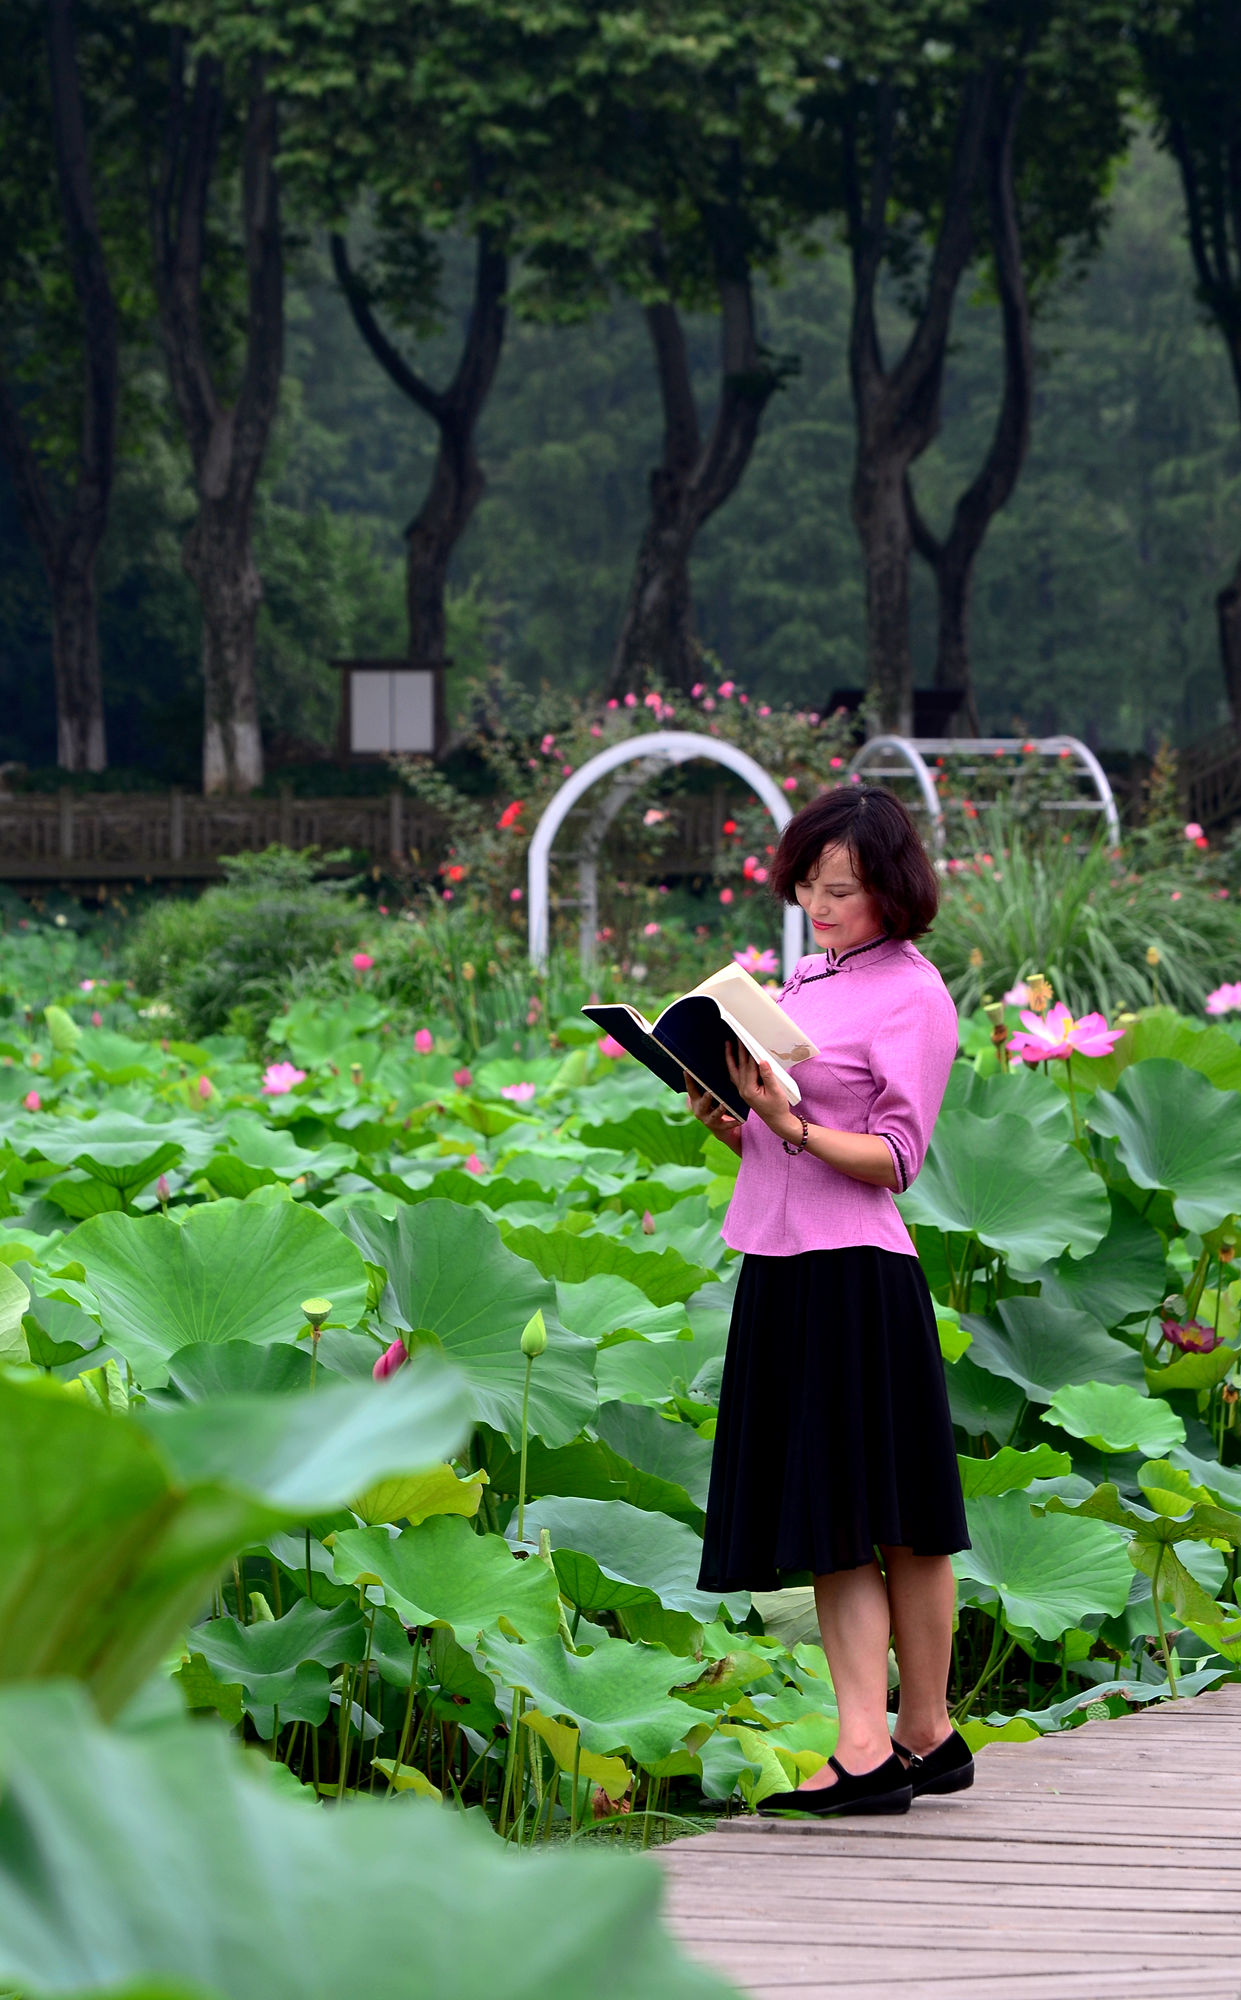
(390, 1360)
(96, 1018)
(756, 961)
(1226, 999)
(361, 961)
(32, 1101)
(86, 985)
(1061, 1035)
(279, 1078)
(424, 1041)
(474, 1165)
(204, 1089)
(1018, 995)
(463, 1078)
(518, 1093)
(609, 1046)
(1191, 1336)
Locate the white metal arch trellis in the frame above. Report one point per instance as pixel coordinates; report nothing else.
(914, 750)
(652, 753)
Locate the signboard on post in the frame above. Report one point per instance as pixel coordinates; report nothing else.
(389, 707)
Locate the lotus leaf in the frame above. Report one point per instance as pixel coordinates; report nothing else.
(283, 1663)
(604, 1304)
(1114, 1417)
(421, 1494)
(1161, 1032)
(442, 1573)
(611, 1774)
(658, 1138)
(1042, 1346)
(125, 1151)
(1014, 1186)
(145, 1840)
(609, 1555)
(14, 1300)
(1048, 1573)
(983, 1405)
(618, 1695)
(237, 1367)
(672, 1452)
(1011, 1471)
(572, 1257)
(229, 1271)
(449, 1271)
(1119, 1280)
(311, 1452)
(1023, 1091)
(1175, 1131)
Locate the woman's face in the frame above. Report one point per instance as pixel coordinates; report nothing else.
(842, 912)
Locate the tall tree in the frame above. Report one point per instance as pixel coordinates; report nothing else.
(214, 140)
(924, 124)
(60, 372)
(1191, 54)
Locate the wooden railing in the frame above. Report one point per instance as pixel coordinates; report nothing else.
(1210, 775)
(179, 836)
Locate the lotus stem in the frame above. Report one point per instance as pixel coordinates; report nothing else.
(995, 1660)
(1169, 1669)
(525, 1429)
(408, 1718)
(577, 1766)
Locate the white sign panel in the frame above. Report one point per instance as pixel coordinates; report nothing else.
(391, 710)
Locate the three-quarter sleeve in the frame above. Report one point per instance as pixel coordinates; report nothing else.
(911, 1053)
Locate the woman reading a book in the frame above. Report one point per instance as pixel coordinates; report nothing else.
(834, 1452)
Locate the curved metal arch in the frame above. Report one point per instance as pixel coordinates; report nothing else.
(910, 748)
(904, 746)
(661, 748)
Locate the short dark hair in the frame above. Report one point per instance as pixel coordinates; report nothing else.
(886, 849)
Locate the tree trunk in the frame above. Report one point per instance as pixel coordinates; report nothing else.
(80, 739)
(69, 543)
(693, 479)
(218, 559)
(896, 408)
(952, 559)
(458, 480)
(227, 442)
(1228, 624)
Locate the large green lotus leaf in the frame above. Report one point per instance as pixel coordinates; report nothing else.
(663, 1275)
(593, 1470)
(659, 1139)
(230, 1271)
(164, 1865)
(604, 1304)
(266, 1146)
(668, 1451)
(1123, 1277)
(442, 1573)
(14, 1300)
(104, 1557)
(1011, 1471)
(310, 1452)
(1114, 1417)
(1049, 1571)
(1017, 1188)
(1174, 1130)
(238, 1368)
(1023, 1091)
(1161, 1032)
(618, 1694)
(983, 1405)
(654, 1372)
(450, 1273)
(118, 1147)
(282, 1663)
(1043, 1346)
(609, 1555)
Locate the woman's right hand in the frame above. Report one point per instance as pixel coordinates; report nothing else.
(711, 1113)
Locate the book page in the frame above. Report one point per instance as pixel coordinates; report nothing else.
(758, 1011)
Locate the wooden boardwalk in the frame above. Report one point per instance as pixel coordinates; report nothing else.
(1099, 1865)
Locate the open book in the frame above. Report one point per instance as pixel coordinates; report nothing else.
(692, 1033)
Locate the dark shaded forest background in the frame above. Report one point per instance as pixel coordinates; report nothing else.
(1094, 602)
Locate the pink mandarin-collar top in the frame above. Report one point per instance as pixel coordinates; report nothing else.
(886, 1029)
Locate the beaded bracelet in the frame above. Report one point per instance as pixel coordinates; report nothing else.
(801, 1145)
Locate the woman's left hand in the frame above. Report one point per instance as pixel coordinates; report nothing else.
(758, 1087)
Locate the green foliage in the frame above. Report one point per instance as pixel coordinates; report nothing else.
(237, 945)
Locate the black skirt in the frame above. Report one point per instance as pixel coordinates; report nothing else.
(834, 1433)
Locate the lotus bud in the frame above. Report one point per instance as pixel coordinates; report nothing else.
(32, 1101)
(1153, 955)
(96, 1019)
(316, 1311)
(390, 1360)
(162, 1190)
(204, 1088)
(648, 1223)
(424, 1041)
(534, 1337)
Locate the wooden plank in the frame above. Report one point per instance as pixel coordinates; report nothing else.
(1099, 1865)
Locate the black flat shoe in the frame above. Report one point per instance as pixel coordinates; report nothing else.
(950, 1768)
(886, 1789)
